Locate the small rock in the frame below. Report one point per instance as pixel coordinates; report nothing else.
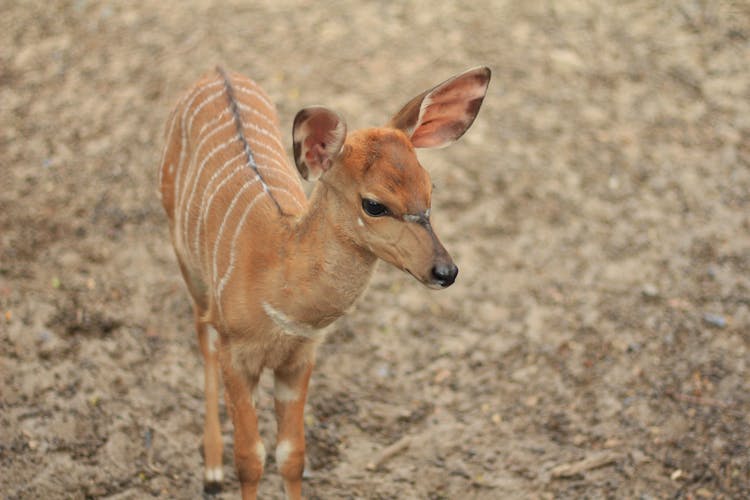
(638, 457)
(383, 371)
(715, 320)
(676, 475)
(650, 291)
(634, 346)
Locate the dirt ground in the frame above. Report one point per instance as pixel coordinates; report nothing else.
(595, 345)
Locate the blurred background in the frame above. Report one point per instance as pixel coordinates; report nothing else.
(596, 341)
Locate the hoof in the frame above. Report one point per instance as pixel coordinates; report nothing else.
(212, 480)
(211, 488)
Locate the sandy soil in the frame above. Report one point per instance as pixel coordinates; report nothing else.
(595, 344)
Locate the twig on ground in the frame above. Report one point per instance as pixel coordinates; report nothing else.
(389, 452)
(591, 462)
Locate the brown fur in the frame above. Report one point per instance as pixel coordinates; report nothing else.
(264, 265)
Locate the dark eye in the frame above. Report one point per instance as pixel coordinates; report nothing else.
(373, 208)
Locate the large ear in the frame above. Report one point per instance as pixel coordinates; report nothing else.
(318, 135)
(441, 115)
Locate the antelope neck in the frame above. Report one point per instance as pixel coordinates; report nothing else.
(335, 269)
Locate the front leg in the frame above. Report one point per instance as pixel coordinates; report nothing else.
(249, 453)
(290, 393)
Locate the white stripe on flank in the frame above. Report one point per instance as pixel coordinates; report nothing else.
(232, 246)
(189, 102)
(219, 234)
(173, 120)
(205, 207)
(192, 177)
(262, 98)
(255, 154)
(288, 178)
(286, 191)
(202, 139)
(203, 104)
(195, 154)
(256, 143)
(244, 107)
(210, 155)
(256, 128)
(215, 119)
(270, 159)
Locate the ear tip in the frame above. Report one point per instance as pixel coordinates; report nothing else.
(317, 108)
(484, 73)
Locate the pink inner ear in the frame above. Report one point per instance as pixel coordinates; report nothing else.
(316, 154)
(320, 142)
(318, 133)
(449, 110)
(438, 132)
(320, 127)
(444, 121)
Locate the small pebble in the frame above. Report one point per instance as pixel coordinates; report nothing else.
(650, 291)
(715, 320)
(704, 493)
(383, 371)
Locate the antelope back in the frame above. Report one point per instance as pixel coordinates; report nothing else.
(224, 178)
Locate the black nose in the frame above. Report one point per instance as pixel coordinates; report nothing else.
(445, 274)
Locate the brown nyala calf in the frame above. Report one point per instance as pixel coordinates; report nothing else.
(267, 268)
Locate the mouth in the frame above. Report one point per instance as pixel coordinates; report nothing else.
(431, 284)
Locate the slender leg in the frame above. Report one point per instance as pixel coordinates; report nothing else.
(249, 453)
(290, 392)
(212, 443)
